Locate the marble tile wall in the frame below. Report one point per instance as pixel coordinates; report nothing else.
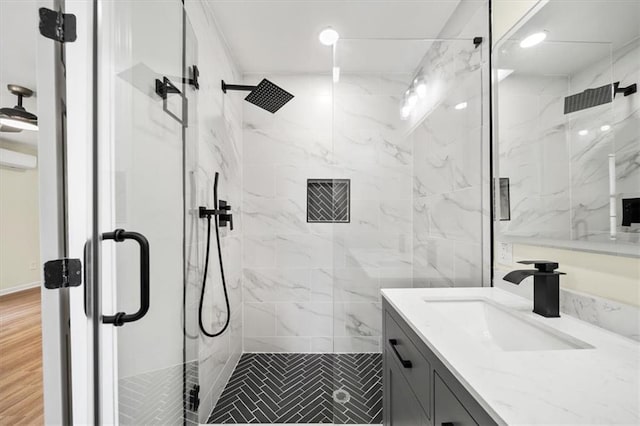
(213, 145)
(560, 178)
(418, 198)
(450, 158)
(312, 287)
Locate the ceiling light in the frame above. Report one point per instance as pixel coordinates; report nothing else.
(18, 123)
(533, 39)
(461, 105)
(18, 117)
(412, 98)
(336, 74)
(405, 111)
(421, 87)
(583, 132)
(329, 36)
(605, 128)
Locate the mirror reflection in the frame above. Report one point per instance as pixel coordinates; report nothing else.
(568, 128)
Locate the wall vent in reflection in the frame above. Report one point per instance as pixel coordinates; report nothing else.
(328, 200)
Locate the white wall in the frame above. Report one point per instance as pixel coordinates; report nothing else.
(19, 226)
(19, 231)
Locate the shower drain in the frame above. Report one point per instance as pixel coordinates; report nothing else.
(341, 396)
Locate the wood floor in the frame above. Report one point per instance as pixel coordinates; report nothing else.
(21, 401)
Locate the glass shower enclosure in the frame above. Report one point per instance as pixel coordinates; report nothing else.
(379, 182)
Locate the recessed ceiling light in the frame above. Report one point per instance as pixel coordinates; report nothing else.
(533, 39)
(328, 36)
(605, 128)
(461, 105)
(583, 132)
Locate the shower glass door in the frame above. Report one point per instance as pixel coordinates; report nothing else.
(408, 136)
(142, 119)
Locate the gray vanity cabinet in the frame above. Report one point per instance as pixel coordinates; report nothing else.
(418, 388)
(402, 408)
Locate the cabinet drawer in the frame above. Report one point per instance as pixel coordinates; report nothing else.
(398, 348)
(447, 409)
(402, 408)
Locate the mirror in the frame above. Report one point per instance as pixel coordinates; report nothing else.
(567, 128)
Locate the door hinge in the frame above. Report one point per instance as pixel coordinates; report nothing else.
(62, 273)
(194, 398)
(58, 26)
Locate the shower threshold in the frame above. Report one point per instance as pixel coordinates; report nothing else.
(302, 388)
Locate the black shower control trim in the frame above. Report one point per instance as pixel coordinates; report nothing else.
(220, 215)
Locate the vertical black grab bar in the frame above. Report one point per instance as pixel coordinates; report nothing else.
(121, 318)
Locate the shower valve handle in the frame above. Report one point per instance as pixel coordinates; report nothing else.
(224, 217)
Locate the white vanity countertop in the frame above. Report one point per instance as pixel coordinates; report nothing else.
(599, 385)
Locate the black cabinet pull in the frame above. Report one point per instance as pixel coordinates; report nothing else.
(405, 362)
(121, 318)
(447, 424)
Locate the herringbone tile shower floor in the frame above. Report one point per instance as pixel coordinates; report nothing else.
(300, 388)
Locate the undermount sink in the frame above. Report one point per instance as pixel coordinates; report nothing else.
(500, 328)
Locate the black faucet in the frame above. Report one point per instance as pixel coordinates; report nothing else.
(546, 286)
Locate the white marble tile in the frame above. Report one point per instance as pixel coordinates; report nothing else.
(259, 251)
(357, 319)
(304, 251)
(321, 285)
(276, 285)
(357, 344)
(467, 264)
(259, 319)
(355, 285)
(457, 215)
(277, 344)
(304, 319)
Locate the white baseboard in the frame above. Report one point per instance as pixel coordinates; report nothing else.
(21, 287)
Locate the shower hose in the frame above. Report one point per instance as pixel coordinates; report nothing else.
(206, 270)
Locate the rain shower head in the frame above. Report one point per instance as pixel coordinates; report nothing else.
(266, 95)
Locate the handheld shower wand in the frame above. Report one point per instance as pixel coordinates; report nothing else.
(221, 216)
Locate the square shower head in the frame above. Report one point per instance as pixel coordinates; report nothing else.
(268, 96)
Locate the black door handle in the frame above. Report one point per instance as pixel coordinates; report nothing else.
(121, 318)
(405, 362)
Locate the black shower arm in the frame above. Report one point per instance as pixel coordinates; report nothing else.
(629, 90)
(243, 87)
